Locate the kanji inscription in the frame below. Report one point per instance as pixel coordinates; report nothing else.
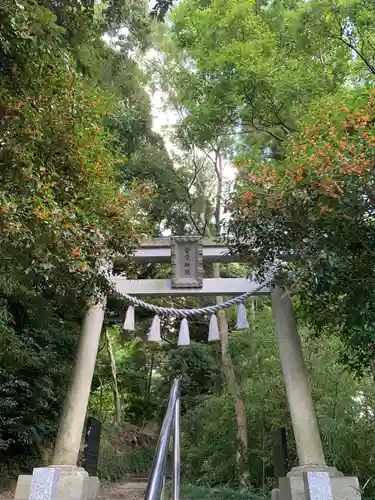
(187, 257)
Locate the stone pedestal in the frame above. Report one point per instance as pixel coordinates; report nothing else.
(23, 488)
(301, 469)
(275, 494)
(57, 483)
(293, 486)
(94, 487)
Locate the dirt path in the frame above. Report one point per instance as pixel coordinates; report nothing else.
(6, 496)
(128, 491)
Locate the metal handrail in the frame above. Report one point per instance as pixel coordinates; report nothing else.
(171, 421)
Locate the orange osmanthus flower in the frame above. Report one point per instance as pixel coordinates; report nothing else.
(249, 196)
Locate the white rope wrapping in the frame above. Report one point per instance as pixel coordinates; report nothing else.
(184, 313)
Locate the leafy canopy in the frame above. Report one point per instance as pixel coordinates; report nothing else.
(317, 206)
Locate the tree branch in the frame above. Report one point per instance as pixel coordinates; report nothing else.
(279, 139)
(351, 46)
(192, 220)
(286, 127)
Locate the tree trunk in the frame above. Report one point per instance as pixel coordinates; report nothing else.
(253, 307)
(372, 367)
(116, 396)
(235, 392)
(101, 399)
(148, 389)
(228, 368)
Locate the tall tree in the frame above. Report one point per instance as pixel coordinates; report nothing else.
(238, 67)
(317, 206)
(227, 363)
(62, 204)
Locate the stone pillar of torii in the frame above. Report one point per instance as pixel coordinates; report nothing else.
(187, 254)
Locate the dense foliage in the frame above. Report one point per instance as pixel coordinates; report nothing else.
(317, 206)
(343, 403)
(62, 204)
(283, 91)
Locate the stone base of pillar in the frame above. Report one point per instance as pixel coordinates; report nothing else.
(298, 471)
(57, 483)
(275, 494)
(94, 487)
(343, 488)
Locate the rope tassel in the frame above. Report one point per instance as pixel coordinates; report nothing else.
(129, 323)
(184, 337)
(242, 323)
(154, 333)
(213, 332)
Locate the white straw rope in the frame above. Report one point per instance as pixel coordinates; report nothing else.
(194, 312)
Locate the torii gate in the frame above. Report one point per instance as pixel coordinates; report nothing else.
(187, 279)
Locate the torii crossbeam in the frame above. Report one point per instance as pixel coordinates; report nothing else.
(160, 250)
